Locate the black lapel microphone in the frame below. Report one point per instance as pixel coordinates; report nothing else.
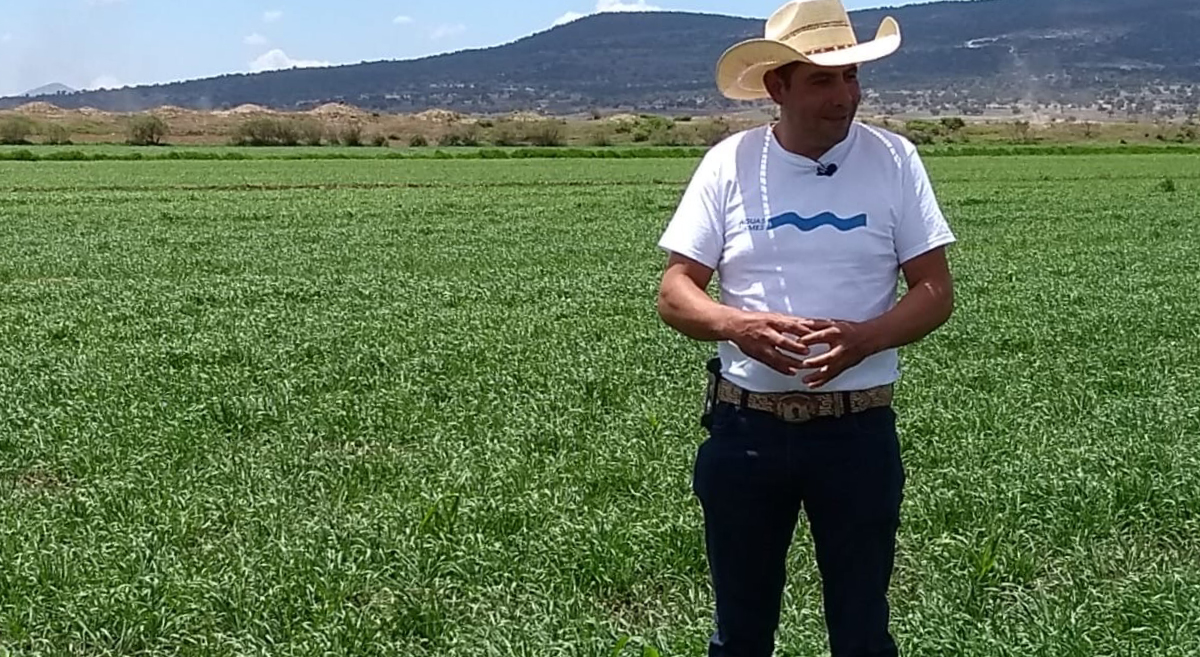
(827, 169)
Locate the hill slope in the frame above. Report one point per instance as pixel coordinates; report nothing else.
(1124, 53)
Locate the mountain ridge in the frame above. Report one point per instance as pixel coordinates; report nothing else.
(1115, 55)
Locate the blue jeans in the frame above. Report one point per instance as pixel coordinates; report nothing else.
(753, 475)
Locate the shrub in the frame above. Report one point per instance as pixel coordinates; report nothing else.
(418, 141)
(23, 155)
(352, 135)
(56, 134)
(547, 133)
(953, 123)
(1020, 131)
(16, 130)
(461, 135)
(506, 134)
(311, 132)
(648, 125)
(146, 130)
(266, 131)
(713, 132)
(666, 137)
(599, 136)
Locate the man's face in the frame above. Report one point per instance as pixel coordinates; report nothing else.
(821, 101)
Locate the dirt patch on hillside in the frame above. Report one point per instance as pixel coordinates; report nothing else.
(39, 109)
(439, 115)
(338, 111)
(245, 110)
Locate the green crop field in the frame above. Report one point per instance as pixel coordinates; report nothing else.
(426, 408)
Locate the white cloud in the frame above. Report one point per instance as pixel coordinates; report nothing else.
(616, 5)
(255, 39)
(277, 59)
(567, 18)
(607, 6)
(105, 82)
(272, 16)
(443, 31)
(402, 20)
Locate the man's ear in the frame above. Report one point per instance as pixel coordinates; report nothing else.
(777, 80)
(774, 84)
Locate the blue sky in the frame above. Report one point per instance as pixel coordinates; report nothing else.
(110, 43)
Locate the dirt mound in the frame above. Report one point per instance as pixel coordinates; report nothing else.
(243, 109)
(172, 111)
(39, 108)
(337, 110)
(440, 115)
(525, 117)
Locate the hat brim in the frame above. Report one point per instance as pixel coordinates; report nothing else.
(740, 69)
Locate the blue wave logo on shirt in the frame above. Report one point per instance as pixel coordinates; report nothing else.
(806, 224)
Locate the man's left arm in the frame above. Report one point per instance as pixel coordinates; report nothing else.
(926, 306)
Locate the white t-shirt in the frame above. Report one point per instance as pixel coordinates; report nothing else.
(784, 239)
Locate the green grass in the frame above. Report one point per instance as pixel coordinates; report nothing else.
(117, 152)
(426, 408)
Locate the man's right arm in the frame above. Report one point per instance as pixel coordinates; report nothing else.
(694, 240)
(684, 305)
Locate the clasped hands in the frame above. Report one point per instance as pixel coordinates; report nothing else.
(766, 337)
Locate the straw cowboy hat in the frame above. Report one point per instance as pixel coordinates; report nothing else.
(812, 31)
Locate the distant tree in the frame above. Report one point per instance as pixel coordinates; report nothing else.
(146, 130)
(953, 123)
(920, 132)
(547, 133)
(1020, 130)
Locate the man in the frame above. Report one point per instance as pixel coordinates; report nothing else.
(809, 223)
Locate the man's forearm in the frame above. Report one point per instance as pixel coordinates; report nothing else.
(925, 307)
(689, 310)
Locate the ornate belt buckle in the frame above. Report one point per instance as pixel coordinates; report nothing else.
(795, 408)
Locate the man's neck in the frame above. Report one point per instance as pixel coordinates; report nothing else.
(793, 140)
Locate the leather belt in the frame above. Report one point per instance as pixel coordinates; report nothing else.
(804, 406)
